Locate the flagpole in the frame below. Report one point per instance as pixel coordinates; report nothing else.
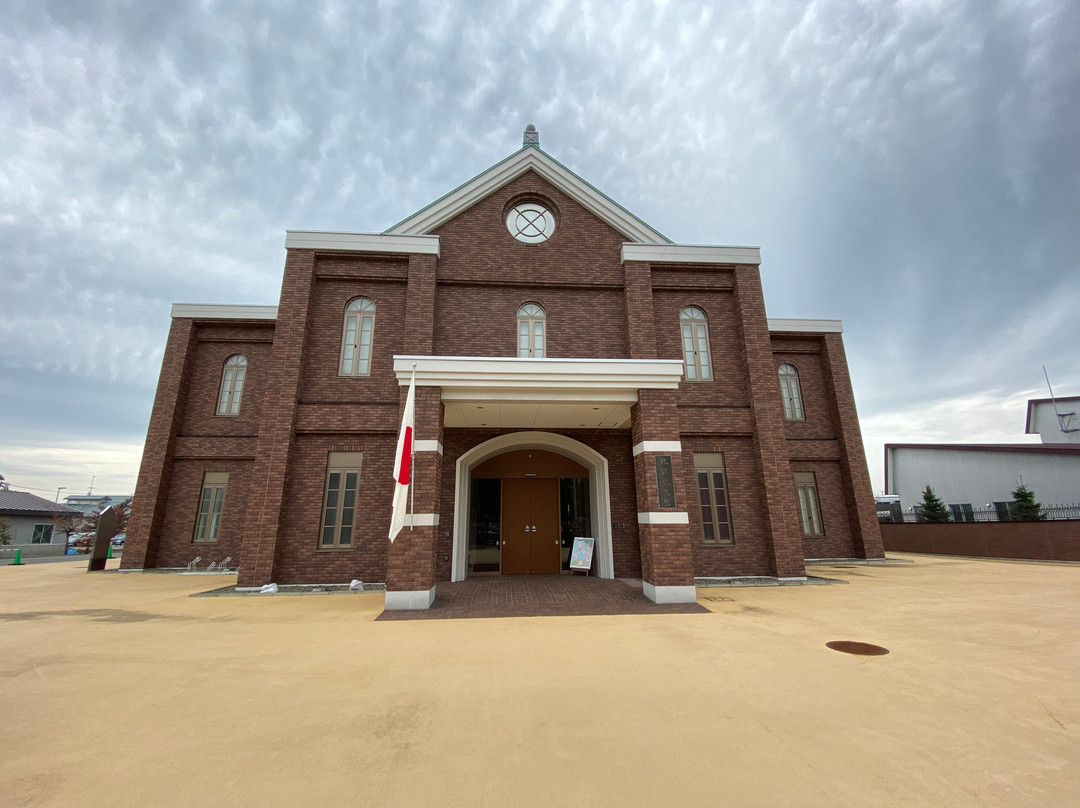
(412, 459)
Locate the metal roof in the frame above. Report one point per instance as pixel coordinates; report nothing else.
(15, 503)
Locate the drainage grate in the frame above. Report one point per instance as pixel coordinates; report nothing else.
(860, 648)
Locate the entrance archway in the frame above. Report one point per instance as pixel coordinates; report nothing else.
(599, 494)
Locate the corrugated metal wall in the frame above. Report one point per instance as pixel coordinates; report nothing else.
(980, 477)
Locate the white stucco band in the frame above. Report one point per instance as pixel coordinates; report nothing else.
(421, 519)
(428, 446)
(657, 446)
(663, 518)
(410, 599)
(669, 594)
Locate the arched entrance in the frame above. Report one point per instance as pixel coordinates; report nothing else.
(593, 461)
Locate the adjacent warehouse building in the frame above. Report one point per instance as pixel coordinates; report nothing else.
(974, 477)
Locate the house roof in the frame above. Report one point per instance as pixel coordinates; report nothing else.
(1068, 402)
(528, 158)
(23, 503)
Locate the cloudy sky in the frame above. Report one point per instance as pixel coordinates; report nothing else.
(911, 167)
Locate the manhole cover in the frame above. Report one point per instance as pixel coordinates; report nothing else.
(860, 648)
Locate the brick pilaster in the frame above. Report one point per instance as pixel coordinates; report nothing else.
(640, 319)
(273, 453)
(155, 472)
(858, 493)
(783, 533)
(411, 559)
(420, 306)
(666, 556)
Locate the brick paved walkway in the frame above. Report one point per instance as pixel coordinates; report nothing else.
(539, 596)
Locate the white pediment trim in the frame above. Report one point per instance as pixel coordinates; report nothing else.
(529, 158)
(216, 311)
(360, 242)
(780, 325)
(691, 254)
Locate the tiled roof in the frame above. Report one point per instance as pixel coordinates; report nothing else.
(22, 502)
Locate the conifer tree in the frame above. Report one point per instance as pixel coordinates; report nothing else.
(1024, 508)
(932, 509)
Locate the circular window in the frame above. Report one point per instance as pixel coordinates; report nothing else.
(530, 222)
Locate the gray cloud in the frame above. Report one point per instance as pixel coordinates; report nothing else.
(909, 167)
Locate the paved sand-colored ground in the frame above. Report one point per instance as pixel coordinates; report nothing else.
(120, 690)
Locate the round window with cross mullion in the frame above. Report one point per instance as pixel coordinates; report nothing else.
(530, 223)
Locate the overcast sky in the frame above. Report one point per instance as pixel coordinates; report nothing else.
(912, 168)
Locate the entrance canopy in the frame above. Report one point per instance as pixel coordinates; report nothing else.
(539, 393)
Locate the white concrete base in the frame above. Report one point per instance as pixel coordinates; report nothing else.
(414, 599)
(669, 594)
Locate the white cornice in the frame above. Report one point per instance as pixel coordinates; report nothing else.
(806, 326)
(214, 311)
(529, 158)
(509, 378)
(691, 254)
(361, 242)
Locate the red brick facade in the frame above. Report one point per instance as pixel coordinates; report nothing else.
(463, 302)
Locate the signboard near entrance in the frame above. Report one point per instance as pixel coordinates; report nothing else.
(581, 554)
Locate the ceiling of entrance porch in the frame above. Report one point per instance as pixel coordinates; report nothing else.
(537, 415)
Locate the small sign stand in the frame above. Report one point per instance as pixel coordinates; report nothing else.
(581, 555)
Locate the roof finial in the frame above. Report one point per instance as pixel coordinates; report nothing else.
(532, 137)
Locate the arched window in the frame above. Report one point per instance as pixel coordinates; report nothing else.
(356, 337)
(531, 331)
(695, 342)
(232, 385)
(789, 392)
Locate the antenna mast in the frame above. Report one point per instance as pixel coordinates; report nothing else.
(1065, 419)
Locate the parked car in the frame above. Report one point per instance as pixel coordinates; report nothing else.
(118, 539)
(82, 542)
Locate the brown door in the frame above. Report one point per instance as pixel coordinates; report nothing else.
(545, 522)
(530, 526)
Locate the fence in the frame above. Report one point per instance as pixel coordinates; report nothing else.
(1050, 540)
(998, 512)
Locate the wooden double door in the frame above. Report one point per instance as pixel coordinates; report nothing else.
(530, 526)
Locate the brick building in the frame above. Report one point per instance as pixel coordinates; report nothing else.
(577, 374)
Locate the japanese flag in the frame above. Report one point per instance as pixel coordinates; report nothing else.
(403, 462)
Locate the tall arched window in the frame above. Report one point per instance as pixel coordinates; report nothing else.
(531, 331)
(695, 342)
(789, 392)
(356, 337)
(232, 385)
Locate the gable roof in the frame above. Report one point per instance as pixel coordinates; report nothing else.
(529, 158)
(16, 503)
